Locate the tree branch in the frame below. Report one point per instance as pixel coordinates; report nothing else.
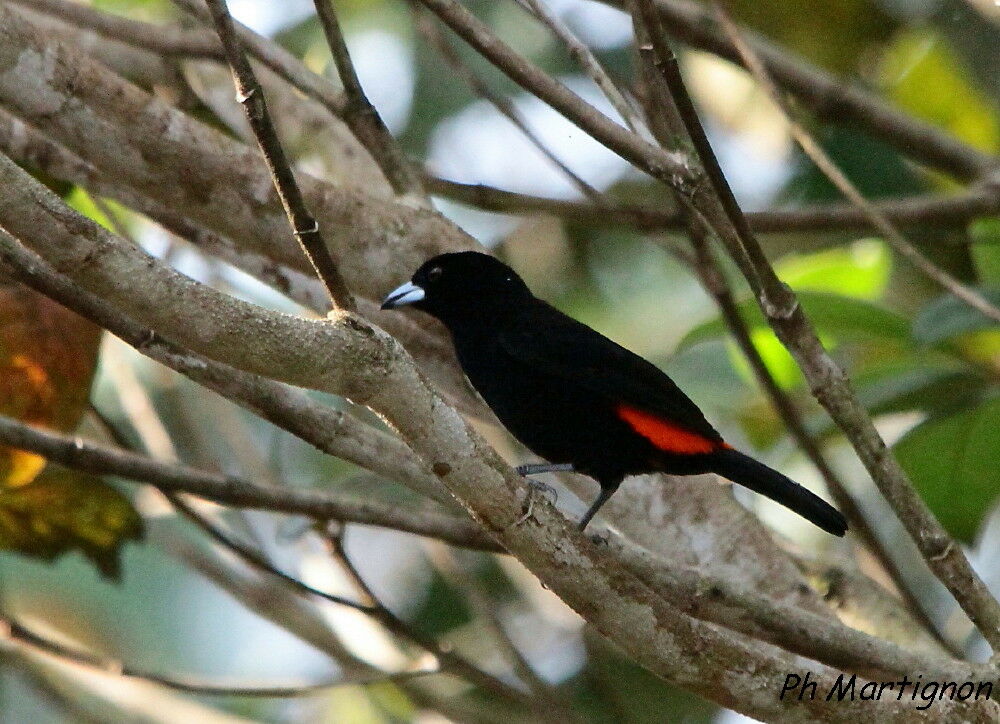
(669, 125)
(448, 659)
(361, 115)
(77, 454)
(168, 40)
(18, 634)
(428, 27)
(379, 241)
(589, 63)
(551, 705)
(839, 179)
(827, 380)
(251, 96)
(29, 147)
(828, 97)
(203, 175)
(671, 167)
(718, 600)
(918, 211)
(329, 430)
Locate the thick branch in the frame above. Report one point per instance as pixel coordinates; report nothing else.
(74, 453)
(704, 596)
(193, 174)
(134, 139)
(719, 601)
(330, 430)
(29, 147)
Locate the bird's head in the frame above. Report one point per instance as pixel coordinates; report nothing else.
(464, 286)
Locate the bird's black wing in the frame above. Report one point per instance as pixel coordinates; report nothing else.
(560, 346)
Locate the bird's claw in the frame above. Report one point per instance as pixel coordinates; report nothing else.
(536, 488)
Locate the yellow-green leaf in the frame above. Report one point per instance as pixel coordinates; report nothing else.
(64, 510)
(922, 74)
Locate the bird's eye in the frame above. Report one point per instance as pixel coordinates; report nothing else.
(434, 273)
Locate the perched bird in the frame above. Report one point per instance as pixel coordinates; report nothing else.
(574, 397)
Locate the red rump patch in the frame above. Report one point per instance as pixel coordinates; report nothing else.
(666, 435)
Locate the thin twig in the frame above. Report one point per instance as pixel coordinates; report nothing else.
(671, 167)
(254, 558)
(669, 125)
(283, 63)
(40, 682)
(16, 633)
(586, 59)
(829, 97)
(714, 281)
(427, 26)
(919, 211)
(552, 705)
(78, 454)
(843, 498)
(839, 179)
(251, 97)
(828, 381)
(245, 552)
(362, 118)
(448, 660)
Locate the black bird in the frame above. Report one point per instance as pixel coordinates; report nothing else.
(573, 396)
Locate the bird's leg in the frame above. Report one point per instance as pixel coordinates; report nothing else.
(535, 487)
(538, 468)
(602, 498)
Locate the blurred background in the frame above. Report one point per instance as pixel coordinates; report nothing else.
(927, 368)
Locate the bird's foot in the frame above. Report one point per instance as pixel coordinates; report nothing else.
(535, 489)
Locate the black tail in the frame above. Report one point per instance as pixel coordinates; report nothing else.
(746, 471)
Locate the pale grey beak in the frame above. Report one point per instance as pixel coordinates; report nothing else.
(401, 296)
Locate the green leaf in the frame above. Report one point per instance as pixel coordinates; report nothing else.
(833, 314)
(911, 383)
(875, 168)
(80, 200)
(806, 28)
(952, 462)
(858, 270)
(948, 317)
(776, 358)
(985, 249)
(64, 510)
(905, 388)
(923, 74)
